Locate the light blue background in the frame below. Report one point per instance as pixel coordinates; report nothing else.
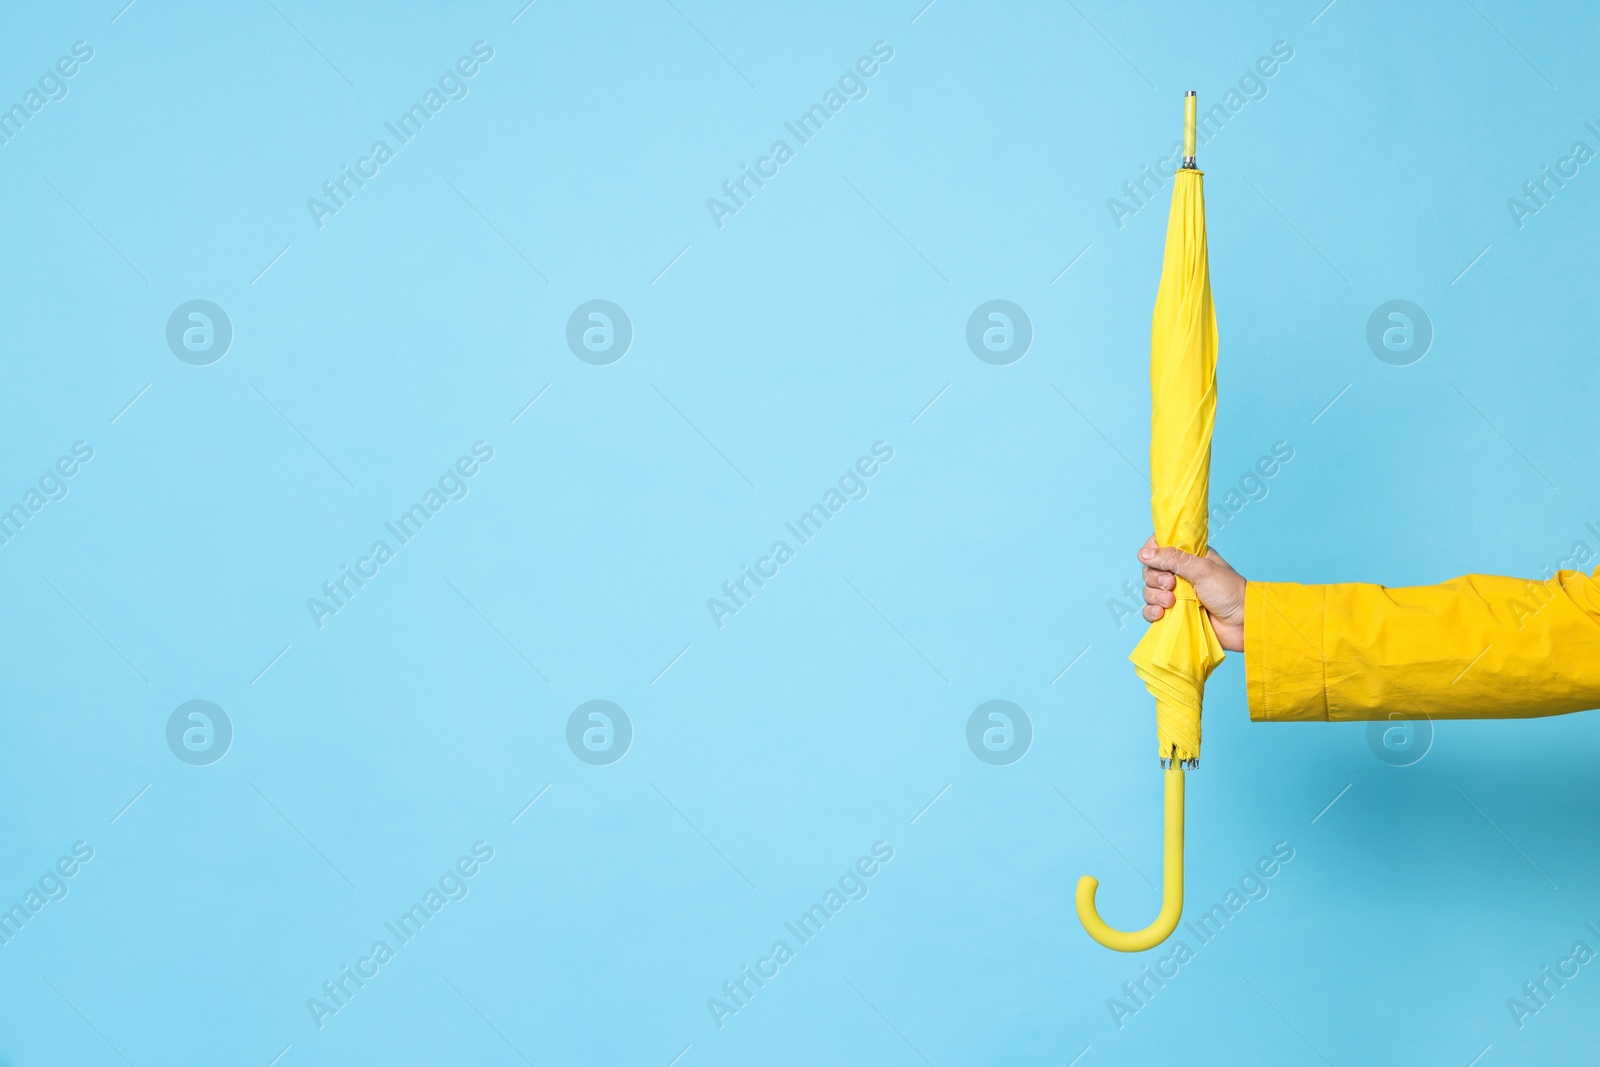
(829, 712)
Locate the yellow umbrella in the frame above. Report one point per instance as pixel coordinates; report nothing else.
(1180, 651)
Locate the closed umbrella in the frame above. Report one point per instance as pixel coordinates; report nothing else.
(1180, 651)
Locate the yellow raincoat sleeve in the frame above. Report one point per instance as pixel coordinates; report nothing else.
(1476, 647)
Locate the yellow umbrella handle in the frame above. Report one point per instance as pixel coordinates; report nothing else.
(1171, 893)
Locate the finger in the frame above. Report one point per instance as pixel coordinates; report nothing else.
(1148, 547)
(1173, 560)
(1159, 597)
(1153, 613)
(1159, 579)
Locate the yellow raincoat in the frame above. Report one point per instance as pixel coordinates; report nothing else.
(1476, 647)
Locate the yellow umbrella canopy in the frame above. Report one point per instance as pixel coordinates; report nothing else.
(1179, 652)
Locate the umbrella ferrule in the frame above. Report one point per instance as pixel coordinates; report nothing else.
(1190, 107)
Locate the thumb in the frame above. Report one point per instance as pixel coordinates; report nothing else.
(1173, 560)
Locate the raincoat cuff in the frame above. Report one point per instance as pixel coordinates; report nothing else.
(1284, 667)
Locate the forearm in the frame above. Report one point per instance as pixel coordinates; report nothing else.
(1473, 647)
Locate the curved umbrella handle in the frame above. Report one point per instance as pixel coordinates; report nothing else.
(1171, 893)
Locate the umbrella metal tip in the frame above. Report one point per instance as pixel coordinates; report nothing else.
(1191, 105)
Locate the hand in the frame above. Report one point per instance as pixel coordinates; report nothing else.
(1219, 587)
